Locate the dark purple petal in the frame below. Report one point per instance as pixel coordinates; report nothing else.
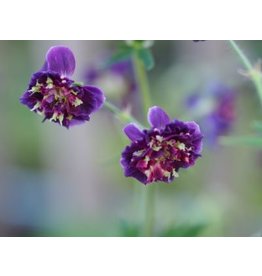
(96, 96)
(157, 117)
(60, 59)
(74, 122)
(131, 171)
(133, 132)
(44, 67)
(194, 126)
(198, 136)
(27, 100)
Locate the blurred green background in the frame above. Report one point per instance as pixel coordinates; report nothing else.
(58, 182)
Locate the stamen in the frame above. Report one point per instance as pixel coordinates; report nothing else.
(181, 146)
(37, 105)
(77, 102)
(36, 88)
(49, 83)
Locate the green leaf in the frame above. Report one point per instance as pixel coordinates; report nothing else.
(145, 55)
(122, 54)
(78, 83)
(139, 44)
(184, 230)
(250, 141)
(128, 229)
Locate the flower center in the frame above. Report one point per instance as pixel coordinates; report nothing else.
(161, 160)
(56, 97)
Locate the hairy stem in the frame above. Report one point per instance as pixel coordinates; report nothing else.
(149, 196)
(123, 116)
(142, 81)
(148, 230)
(255, 76)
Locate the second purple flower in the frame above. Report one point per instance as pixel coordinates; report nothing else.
(157, 154)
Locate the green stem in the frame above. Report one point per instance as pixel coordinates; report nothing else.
(148, 230)
(149, 196)
(142, 81)
(124, 117)
(255, 76)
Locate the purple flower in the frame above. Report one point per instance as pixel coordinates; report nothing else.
(157, 154)
(216, 110)
(118, 79)
(54, 95)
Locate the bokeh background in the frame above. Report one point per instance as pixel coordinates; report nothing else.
(59, 182)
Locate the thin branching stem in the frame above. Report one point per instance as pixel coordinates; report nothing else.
(254, 75)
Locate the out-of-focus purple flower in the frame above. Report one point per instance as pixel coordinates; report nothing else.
(117, 79)
(54, 95)
(157, 154)
(215, 110)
